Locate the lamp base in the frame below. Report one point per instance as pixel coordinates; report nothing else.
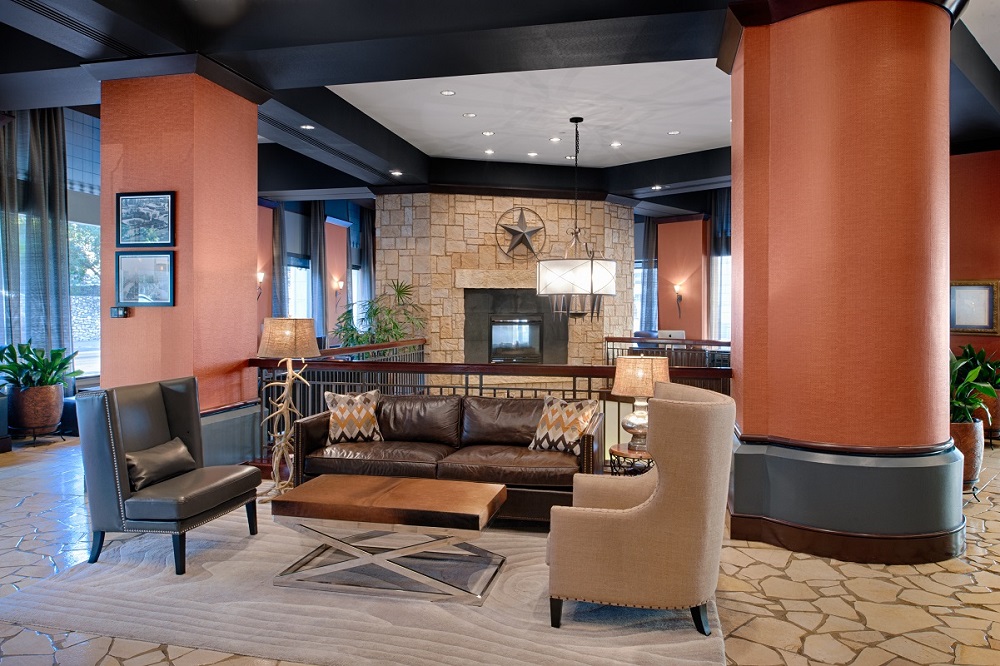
(637, 425)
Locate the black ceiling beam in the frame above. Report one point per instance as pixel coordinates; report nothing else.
(633, 39)
(69, 86)
(280, 169)
(705, 170)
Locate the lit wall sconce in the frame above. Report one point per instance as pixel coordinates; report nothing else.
(260, 284)
(677, 290)
(338, 285)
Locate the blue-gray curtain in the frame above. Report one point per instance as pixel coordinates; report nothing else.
(720, 244)
(317, 267)
(366, 252)
(10, 270)
(279, 285)
(646, 259)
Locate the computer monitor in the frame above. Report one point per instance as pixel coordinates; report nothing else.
(674, 335)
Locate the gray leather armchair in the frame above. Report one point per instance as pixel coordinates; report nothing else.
(144, 468)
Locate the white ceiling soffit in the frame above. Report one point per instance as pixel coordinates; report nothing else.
(637, 105)
(982, 17)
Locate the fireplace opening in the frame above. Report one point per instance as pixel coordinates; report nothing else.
(515, 339)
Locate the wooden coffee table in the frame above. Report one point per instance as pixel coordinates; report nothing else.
(410, 536)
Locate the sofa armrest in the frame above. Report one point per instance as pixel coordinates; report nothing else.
(308, 435)
(592, 446)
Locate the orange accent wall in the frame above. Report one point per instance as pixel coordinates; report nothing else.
(187, 135)
(841, 112)
(975, 234)
(681, 260)
(265, 265)
(336, 267)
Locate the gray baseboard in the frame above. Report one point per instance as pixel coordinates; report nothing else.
(232, 436)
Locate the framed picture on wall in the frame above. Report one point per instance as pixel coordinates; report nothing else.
(145, 219)
(974, 307)
(144, 279)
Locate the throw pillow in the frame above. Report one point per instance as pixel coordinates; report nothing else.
(158, 463)
(562, 424)
(352, 417)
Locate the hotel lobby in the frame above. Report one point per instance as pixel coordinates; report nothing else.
(316, 154)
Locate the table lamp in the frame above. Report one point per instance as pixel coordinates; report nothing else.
(287, 339)
(635, 377)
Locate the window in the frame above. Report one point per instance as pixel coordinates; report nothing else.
(722, 287)
(643, 273)
(298, 279)
(85, 294)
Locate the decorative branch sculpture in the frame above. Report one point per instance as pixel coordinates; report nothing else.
(282, 418)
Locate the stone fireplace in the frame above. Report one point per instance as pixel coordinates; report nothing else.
(512, 326)
(445, 245)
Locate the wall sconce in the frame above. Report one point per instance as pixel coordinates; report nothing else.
(260, 284)
(338, 285)
(677, 290)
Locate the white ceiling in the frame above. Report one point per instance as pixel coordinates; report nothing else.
(636, 104)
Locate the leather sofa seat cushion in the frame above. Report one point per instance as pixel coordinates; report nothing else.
(421, 418)
(386, 458)
(491, 463)
(191, 493)
(500, 420)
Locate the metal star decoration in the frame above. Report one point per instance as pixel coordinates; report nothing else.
(520, 234)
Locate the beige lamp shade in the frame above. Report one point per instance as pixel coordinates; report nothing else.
(635, 376)
(288, 338)
(576, 277)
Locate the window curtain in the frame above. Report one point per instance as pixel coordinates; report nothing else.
(34, 249)
(719, 245)
(648, 315)
(366, 252)
(317, 264)
(279, 284)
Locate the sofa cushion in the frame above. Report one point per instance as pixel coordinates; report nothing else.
(562, 424)
(418, 418)
(491, 463)
(385, 458)
(500, 420)
(352, 417)
(158, 463)
(189, 494)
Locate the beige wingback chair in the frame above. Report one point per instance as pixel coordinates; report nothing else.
(669, 521)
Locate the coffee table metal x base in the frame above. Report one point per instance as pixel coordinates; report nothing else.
(302, 575)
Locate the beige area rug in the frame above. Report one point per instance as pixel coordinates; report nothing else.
(227, 602)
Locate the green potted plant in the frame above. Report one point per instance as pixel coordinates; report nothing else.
(966, 397)
(35, 385)
(989, 373)
(388, 317)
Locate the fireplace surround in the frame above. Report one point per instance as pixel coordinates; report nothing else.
(513, 326)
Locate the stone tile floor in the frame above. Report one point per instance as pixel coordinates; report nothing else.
(776, 607)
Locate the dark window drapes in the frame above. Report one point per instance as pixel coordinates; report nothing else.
(317, 266)
(720, 245)
(366, 254)
(647, 263)
(279, 283)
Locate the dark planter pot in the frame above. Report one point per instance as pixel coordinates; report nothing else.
(36, 409)
(969, 440)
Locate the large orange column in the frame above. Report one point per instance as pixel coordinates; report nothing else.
(185, 134)
(840, 272)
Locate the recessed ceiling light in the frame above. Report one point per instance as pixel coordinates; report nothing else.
(673, 132)
(487, 133)
(488, 151)
(569, 157)
(555, 139)
(468, 115)
(616, 144)
(307, 127)
(396, 172)
(657, 187)
(447, 93)
(532, 154)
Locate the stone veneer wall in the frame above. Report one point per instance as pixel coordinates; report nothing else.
(444, 243)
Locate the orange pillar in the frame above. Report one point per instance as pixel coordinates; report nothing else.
(187, 135)
(840, 272)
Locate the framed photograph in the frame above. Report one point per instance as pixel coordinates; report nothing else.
(145, 219)
(974, 307)
(144, 278)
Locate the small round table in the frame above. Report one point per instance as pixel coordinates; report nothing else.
(629, 463)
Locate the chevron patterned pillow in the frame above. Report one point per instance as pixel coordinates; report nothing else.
(562, 424)
(352, 417)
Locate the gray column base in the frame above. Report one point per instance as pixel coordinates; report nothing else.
(891, 509)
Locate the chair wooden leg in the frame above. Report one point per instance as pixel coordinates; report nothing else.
(252, 515)
(700, 616)
(555, 612)
(180, 541)
(95, 546)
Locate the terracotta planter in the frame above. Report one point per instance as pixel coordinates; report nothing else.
(993, 407)
(36, 409)
(969, 440)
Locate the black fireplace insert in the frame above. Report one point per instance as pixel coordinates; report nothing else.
(516, 338)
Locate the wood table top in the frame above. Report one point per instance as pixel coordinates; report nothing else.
(394, 501)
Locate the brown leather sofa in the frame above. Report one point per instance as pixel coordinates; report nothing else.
(457, 437)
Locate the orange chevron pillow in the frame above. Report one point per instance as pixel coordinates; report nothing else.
(352, 417)
(562, 424)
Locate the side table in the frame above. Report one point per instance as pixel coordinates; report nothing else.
(629, 463)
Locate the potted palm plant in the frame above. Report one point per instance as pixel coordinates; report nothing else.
(966, 429)
(989, 373)
(35, 386)
(389, 317)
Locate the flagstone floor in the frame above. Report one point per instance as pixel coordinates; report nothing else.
(776, 607)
